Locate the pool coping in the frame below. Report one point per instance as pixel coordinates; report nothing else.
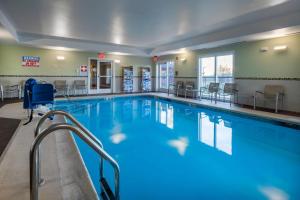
(281, 119)
(78, 153)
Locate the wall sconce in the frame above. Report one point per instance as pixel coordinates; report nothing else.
(183, 59)
(60, 58)
(117, 61)
(280, 48)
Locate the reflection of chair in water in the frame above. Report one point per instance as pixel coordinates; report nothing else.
(270, 93)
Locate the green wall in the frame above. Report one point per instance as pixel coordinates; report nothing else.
(249, 61)
(11, 55)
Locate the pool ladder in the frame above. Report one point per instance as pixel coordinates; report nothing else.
(87, 137)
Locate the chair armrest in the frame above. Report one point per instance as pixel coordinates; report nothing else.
(259, 92)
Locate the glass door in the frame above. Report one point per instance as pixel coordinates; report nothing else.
(93, 74)
(216, 68)
(105, 77)
(166, 74)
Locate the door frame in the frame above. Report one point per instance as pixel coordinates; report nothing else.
(99, 90)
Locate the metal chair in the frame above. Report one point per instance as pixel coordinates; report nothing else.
(211, 90)
(190, 89)
(177, 88)
(1, 92)
(230, 90)
(79, 85)
(270, 93)
(61, 87)
(11, 91)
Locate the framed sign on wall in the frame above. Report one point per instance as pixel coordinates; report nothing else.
(83, 70)
(30, 61)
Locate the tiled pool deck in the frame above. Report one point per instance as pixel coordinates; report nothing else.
(62, 168)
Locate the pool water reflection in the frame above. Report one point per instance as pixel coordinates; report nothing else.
(169, 150)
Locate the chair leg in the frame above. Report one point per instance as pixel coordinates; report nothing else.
(276, 104)
(254, 102)
(216, 96)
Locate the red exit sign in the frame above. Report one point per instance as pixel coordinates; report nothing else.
(101, 55)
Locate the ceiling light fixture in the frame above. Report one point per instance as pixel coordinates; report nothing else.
(280, 48)
(60, 57)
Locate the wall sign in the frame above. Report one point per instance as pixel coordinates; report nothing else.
(83, 70)
(30, 61)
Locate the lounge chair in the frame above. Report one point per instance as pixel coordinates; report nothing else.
(229, 90)
(79, 85)
(11, 91)
(1, 92)
(212, 89)
(190, 89)
(178, 88)
(270, 93)
(61, 87)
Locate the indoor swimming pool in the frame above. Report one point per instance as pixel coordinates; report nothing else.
(171, 150)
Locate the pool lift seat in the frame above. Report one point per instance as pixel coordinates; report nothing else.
(84, 134)
(36, 94)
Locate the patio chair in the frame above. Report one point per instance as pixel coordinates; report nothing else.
(11, 91)
(211, 90)
(178, 88)
(229, 90)
(270, 93)
(22, 86)
(1, 93)
(79, 85)
(61, 87)
(190, 89)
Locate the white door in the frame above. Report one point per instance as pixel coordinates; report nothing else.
(105, 77)
(100, 76)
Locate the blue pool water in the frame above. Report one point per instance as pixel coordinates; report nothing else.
(169, 150)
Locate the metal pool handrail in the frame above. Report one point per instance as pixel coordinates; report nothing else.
(34, 156)
(77, 123)
(71, 118)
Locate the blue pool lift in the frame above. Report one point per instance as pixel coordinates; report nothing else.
(36, 94)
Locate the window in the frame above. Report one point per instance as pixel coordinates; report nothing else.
(216, 68)
(166, 74)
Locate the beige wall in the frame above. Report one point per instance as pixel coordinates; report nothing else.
(249, 61)
(11, 55)
(254, 69)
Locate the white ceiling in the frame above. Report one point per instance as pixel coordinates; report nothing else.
(143, 27)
